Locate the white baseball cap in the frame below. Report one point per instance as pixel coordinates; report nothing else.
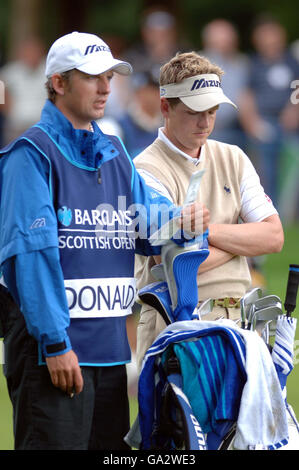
(85, 52)
(200, 93)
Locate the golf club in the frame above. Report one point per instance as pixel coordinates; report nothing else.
(205, 308)
(263, 302)
(265, 315)
(246, 302)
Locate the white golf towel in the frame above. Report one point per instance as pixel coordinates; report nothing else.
(262, 419)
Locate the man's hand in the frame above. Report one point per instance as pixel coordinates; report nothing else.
(195, 219)
(65, 372)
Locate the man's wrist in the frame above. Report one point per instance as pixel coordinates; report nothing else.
(212, 233)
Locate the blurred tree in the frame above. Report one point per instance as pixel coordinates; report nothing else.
(121, 19)
(71, 15)
(47, 19)
(117, 18)
(24, 21)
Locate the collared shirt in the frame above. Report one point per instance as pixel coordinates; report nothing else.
(164, 138)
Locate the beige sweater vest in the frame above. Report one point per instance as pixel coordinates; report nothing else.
(219, 191)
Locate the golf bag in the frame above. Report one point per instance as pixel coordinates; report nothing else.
(213, 385)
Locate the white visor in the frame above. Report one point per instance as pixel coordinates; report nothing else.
(200, 93)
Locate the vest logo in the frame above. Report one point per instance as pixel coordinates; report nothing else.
(65, 216)
(227, 189)
(38, 223)
(203, 83)
(101, 228)
(95, 48)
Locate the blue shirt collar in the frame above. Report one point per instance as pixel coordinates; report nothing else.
(85, 147)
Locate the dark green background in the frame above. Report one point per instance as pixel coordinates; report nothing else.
(53, 18)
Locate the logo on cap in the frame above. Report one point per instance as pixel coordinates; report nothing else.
(95, 48)
(202, 83)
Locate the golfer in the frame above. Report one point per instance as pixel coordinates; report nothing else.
(243, 220)
(67, 256)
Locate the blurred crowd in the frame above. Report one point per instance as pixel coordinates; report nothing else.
(265, 126)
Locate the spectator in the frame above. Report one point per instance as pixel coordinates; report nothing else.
(120, 85)
(221, 45)
(139, 126)
(267, 114)
(159, 41)
(295, 49)
(24, 85)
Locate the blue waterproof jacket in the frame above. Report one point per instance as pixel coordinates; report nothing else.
(44, 254)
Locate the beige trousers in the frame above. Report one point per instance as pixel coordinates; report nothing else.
(151, 324)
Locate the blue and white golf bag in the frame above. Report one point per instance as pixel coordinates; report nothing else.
(209, 385)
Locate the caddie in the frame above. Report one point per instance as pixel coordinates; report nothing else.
(243, 220)
(67, 247)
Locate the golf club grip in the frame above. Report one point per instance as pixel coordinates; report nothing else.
(292, 288)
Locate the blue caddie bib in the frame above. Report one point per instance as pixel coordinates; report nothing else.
(97, 246)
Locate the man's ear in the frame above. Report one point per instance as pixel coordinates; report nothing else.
(164, 106)
(58, 84)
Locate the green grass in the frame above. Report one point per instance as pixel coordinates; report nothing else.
(276, 273)
(6, 432)
(275, 270)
